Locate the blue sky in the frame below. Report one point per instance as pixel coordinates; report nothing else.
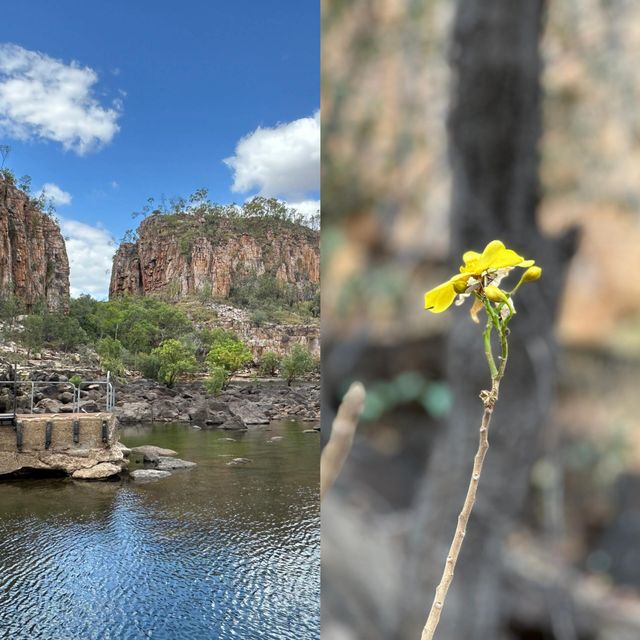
(112, 102)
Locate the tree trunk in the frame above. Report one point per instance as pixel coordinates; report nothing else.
(494, 128)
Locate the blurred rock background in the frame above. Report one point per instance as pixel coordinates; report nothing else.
(571, 563)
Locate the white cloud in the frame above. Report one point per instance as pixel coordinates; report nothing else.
(307, 208)
(90, 250)
(44, 98)
(281, 161)
(55, 194)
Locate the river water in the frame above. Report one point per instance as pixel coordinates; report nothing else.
(215, 552)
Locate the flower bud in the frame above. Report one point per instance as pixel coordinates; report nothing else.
(460, 286)
(532, 274)
(495, 295)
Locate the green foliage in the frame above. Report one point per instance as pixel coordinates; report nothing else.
(216, 381)
(62, 332)
(77, 380)
(32, 336)
(109, 348)
(8, 176)
(230, 354)
(297, 363)
(140, 324)
(114, 365)
(110, 352)
(259, 317)
(149, 365)
(205, 293)
(259, 208)
(209, 337)
(269, 364)
(10, 308)
(268, 297)
(175, 360)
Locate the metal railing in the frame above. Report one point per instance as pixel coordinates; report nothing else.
(110, 396)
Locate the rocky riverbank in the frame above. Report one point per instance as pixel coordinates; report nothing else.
(241, 406)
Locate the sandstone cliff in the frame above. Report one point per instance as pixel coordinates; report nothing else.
(33, 259)
(182, 254)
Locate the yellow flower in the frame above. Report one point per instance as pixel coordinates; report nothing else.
(483, 268)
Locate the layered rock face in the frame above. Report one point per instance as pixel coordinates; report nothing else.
(179, 255)
(34, 267)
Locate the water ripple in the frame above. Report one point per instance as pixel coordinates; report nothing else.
(215, 552)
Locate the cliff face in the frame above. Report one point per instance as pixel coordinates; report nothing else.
(33, 259)
(179, 255)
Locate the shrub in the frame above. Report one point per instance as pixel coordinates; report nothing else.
(216, 381)
(109, 348)
(115, 365)
(297, 363)
(175, 360)
(149, 365)
(230, 354)
(259, 317)
(32, 336)
(269, 364)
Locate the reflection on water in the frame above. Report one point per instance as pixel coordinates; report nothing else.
(212, 552)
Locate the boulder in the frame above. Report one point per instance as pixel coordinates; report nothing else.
(132, 412)
(250, 413)
(142, 475)
(89, 406)
(66, 397)
(234, 424)
(49, 405)
(216, 418)
(167, 463)
(151, 453)
(166, 409)
(98, 472)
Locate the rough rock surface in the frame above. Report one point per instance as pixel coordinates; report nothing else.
(89, 458)
(269, 336)
(166, 463)
(99, 472)
(241, 406)
(33, 259)
(151, 453)
(149, 474)
(186, 254)
(250, 412)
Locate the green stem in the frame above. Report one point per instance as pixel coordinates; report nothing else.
(487, 349)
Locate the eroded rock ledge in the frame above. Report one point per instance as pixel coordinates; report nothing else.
(90, 452)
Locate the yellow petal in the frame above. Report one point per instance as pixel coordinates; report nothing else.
(440, 298)
(497, 256)
(470, 256)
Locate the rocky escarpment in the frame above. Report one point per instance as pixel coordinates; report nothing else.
(34, 267)
(182, 254)
(270, 336)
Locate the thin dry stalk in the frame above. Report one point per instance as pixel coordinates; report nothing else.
(342, 432)
(489, 398)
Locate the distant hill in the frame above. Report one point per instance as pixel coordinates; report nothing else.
(182, 254)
